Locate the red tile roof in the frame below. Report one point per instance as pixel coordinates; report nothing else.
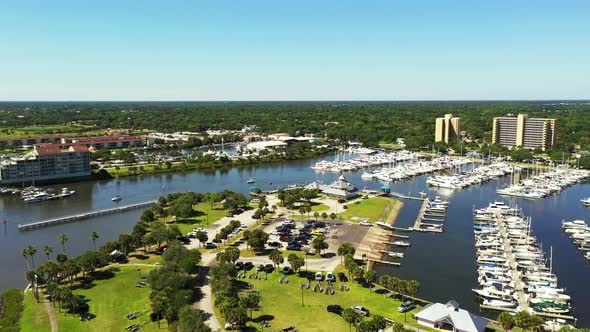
(47, 149)
(78, 148)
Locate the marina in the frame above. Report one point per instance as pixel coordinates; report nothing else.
(544, 184)
(512, 270)
(455, 246)
(579, 232)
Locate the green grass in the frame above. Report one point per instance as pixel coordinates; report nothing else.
(140, 258)
(50, 130)
(371, 208)
(209, 215)
(281, 305)
(110, 298)
(35, 318)
(319, 207)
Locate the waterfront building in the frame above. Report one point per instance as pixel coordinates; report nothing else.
(447, 129)
(97, 142)
(47, 162)
(450, 317)
(530, 133)
(340, 188)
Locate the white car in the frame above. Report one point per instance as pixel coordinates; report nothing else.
(200, 229)
(274, 232)
(365, 223)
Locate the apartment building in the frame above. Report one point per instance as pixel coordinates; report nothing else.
(530, 133)
(448, 129)
(46, 162)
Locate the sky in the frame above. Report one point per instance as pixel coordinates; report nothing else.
(294, 50)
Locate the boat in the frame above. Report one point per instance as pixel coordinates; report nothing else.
(116, 198)
(585, 201)
(556, 325)
(402, 243)
(396, 254)
(499, 303)
(251, 181)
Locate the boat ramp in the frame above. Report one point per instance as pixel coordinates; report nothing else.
(82, 216)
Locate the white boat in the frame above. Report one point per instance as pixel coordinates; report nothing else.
(251, 181)
(499, 303)
(556, 325)
(116, 198)
(573, 224)
(396, 254)
(585, 201)
(402, 243)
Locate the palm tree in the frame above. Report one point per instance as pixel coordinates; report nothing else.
(31, 250)
(25, 253)
(316, 215)
(47, 250)
(93, 237)
(63, 238)
(506, 321)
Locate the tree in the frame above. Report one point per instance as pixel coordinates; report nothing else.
(276, 257)
(413, 287)
(506, 321)
(47, 250)
(345, 248)
(31, 251)
(25, 254)
(302, 211)
(324, 215)
(332, 216)
(61, 258)
(319, 244)
(296, 262)
(257, 240)
(202, 237)
(159, 302)
(63, 238)
(519, 154)
(126, 241)
(231, 255)
(370, 277)
(251, 302)
(191, 320)
(93, 237)
(351, 317)
(182, 208)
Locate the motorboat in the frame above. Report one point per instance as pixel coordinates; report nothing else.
(499, 303)
(250, 181)
(396, 254)
(116, 198)
(574, 224)
(402, 243)
(585, 201)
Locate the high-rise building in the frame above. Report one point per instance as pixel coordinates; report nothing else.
(530, 133)
(447, 129)
(47, 162)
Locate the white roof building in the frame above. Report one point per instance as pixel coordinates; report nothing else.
(450, 317)
(340, 188)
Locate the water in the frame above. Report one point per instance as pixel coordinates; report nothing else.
(443, 263)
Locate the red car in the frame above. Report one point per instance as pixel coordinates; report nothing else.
(341, 200)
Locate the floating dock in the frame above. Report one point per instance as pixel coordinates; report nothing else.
(83, 216)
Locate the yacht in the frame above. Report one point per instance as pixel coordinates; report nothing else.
(585, 201)
(116, 198)
(402, 243)
(251, 181)
(39, 197)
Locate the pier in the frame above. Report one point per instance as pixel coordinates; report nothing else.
(82, 216)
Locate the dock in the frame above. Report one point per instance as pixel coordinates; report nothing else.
(542, 314)
(83, 216)
(398, 195)
(385, 262)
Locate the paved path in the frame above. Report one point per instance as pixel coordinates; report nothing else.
(51, 313)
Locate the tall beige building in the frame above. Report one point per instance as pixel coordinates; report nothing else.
(447, 129)
(523, 131)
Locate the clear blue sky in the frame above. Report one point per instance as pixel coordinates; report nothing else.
(294, 50)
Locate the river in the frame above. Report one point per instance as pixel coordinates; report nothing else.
(443, 263)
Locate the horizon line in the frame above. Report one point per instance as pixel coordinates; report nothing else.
(298, 101)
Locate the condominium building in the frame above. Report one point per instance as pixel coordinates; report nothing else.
(530, 133)
(447, 129)
(46, 162)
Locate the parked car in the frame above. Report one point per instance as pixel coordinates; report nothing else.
(365, 223)
(274, 244)
(200, 229)
(260, 267)
(268, 268)
(192, 235)
(406, 306)
(319, 224)
(287, 269)
(248, 266)
(361, 310)
(210, 245)
(317, 233)
(340, 200)
(342, 277)
(294, 247)
(319, 276)
(239, 265)
(330, 277)
(345, 207)
(274, 232)
(335, 308)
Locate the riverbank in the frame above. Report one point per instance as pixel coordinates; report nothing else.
(185, 166)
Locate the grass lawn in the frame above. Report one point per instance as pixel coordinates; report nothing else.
(371, 208)
(281, 305)
(208, 216)
(140, 258)
(34, 318)
(111, 296)
(319, 207)
(286, 253)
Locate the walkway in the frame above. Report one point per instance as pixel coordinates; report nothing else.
(51, 313)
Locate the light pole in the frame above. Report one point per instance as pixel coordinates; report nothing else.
(302, 297)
